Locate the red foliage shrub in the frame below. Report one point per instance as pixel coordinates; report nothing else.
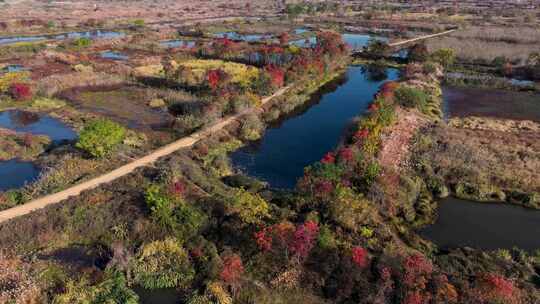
(304, 239)
(416, 268)
(373, 107)
(360, 257)
(360, 135)
(263, 239)
(224, 45)
(496, 288)
(277, 75)
(177, 188)
(232, 269)
(28, 139)
(284, 38)
(329, 158)
(331, 43)
(346, 154)
(414, 298)
(20, 91)
(323, 188)
(277, 237)
(215, 78)
(389, 86)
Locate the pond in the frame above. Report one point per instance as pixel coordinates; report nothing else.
(12, 68)
(354, 41)
(358, 41)
(243, 37)
(15, 173)
(507, 104)
(290, 145)
(158, 296)
(97, 34)
(484, 226)
(113, 56)
(300, 30)
(29, 122)
(178, 43)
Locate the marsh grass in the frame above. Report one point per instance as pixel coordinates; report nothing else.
(483, 51)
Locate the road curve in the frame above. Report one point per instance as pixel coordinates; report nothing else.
(184, 142)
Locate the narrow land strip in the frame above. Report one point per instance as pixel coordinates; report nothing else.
(184, 142)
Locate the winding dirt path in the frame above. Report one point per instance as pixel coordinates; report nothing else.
(184, 142)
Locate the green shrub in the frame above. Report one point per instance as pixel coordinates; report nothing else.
(160, 204)
(82, 42)
(326, 239)
(100, 137)
(179, 217)
(251, 127)
(371, 173)
(163, 264)
(411, 97)
(444, 56)
(138, 22)
(112, 290)
(429, 67)
(251, 208)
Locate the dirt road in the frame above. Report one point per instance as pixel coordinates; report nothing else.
(182, 143)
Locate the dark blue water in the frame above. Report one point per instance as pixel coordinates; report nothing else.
(286, 148)
(114, 56)
(33, 123)
(484, 226)
(98, 34)
(15, 173)
(178, 43)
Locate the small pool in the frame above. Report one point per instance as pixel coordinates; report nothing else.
(484, 226)
(301, 30)
(12, 68)
(113, 56)
(358, 41)
(477, 101)
(242, 37)
(29, 122)
(304, 43)
(98, 34)
(178, 43)
(158, 296)
(15, 174)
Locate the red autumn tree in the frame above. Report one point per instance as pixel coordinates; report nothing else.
(360, 135)
(277, 75)
(215, 78)
(232, 269)
(20, 91)
(284, 38)
(276, 238)
(416, 271)
(177, 188)
(304, 239)
(494, 288)
(346, 154)
(360, 257)
(329, 158)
